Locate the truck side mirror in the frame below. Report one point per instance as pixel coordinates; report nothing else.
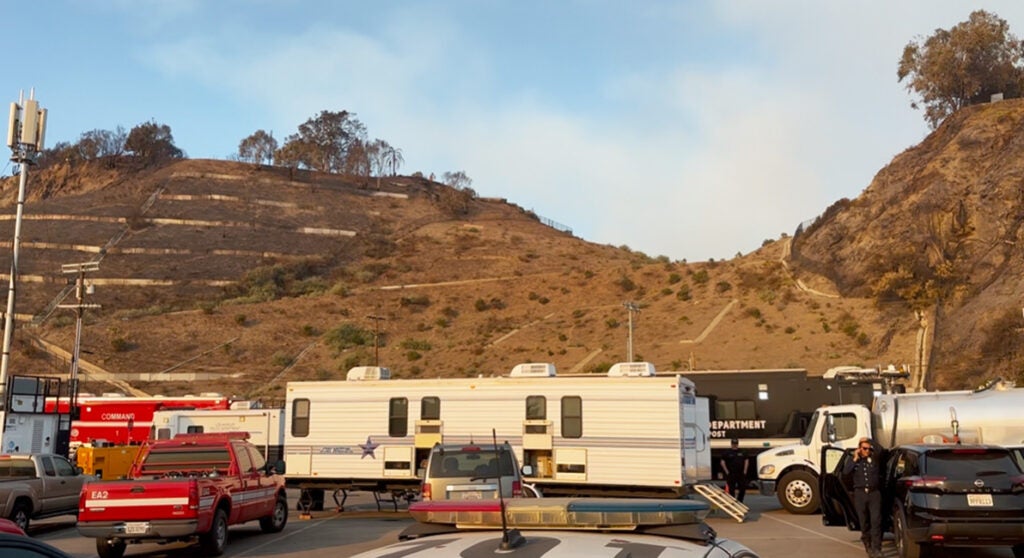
(830, 427)
(527, 470)
(276, 468)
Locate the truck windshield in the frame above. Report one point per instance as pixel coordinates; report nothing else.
(809, 435)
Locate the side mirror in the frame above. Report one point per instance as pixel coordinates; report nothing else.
(78, 470)
(830, 427)
(527, 470)
(275, 468)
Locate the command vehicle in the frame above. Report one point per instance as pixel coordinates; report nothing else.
(987, 415)
(191, 487)
(561, 528)
(599, 435)
(34, 486)
(117, 419)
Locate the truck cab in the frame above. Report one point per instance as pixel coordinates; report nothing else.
(792, 471)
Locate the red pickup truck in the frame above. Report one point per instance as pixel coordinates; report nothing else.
(190, 487)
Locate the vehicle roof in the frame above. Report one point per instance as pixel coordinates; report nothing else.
(552, 544)
(24, 542)
(924, 448)
(484, 446)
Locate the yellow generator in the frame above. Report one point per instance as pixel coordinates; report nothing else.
(106, 462)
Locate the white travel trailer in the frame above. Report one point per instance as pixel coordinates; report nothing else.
(265, 426)
(630, 432)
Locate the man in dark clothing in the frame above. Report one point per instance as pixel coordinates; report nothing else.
(867, 497)
(734, 464)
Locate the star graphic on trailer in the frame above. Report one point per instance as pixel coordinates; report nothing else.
(368, 448)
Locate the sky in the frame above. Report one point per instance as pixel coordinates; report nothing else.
(687, 129)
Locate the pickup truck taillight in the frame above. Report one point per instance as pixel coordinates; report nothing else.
(924, 482)
(193, 495)
(425, 491)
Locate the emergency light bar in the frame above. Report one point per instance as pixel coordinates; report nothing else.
(561, 513)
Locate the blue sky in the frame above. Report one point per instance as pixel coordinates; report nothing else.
(690, 129)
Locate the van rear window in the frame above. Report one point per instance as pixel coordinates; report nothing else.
(477, 463)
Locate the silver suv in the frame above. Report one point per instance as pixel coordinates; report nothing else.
(472, 472)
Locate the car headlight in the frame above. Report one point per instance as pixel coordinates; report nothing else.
(767, 470)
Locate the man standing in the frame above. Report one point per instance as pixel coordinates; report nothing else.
(867, 498)
(734, 465)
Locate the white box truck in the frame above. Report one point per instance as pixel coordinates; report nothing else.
(630, 432)
(989, 415)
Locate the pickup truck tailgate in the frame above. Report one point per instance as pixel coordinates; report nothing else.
(136, 500)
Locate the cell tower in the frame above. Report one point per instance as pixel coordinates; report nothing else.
(25, 131)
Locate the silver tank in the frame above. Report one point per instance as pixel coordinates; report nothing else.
(991, 415)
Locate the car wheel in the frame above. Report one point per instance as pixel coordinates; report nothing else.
(798, 492)
(905, 547)
(110, 548)
(20, 515)
(277, 519)
(214, 542)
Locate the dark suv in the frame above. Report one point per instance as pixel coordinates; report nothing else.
(937, 495)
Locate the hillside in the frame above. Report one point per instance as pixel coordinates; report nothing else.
(215, 276)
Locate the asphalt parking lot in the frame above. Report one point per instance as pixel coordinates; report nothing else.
(768, 529)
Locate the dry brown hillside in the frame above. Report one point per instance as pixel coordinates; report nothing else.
(215, 276)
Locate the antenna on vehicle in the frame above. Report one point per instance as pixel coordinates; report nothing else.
(509, 538)
(955, 424)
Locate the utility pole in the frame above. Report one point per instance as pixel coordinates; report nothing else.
(633, 309)
(79, 307)
(26, 128)
(376, 338)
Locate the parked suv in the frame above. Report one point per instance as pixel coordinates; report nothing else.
(937, 495)
(472, 472)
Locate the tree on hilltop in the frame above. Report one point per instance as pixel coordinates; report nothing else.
(323, 142)
(257, 148)
(962, 66)
(151, 142)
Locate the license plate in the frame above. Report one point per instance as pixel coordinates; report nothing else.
(979, 499)
(136, 528)
(472, 495)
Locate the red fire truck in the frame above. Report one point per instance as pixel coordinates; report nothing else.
(126, 420)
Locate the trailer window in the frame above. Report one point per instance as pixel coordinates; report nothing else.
(572, 416)
(398, 417)
(300, 418)
(163, 433)
(430, 408)
(195, 429)
(536, 407)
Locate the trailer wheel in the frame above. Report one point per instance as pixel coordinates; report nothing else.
(110, 548)
(798, 492)
(214, 542)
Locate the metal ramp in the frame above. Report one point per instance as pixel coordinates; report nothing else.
(723, 501)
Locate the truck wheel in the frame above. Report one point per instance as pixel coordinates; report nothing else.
(20, 514)
(110, 548)
(905, 546)
(277, 519)
(798, 492)
(214, 542)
